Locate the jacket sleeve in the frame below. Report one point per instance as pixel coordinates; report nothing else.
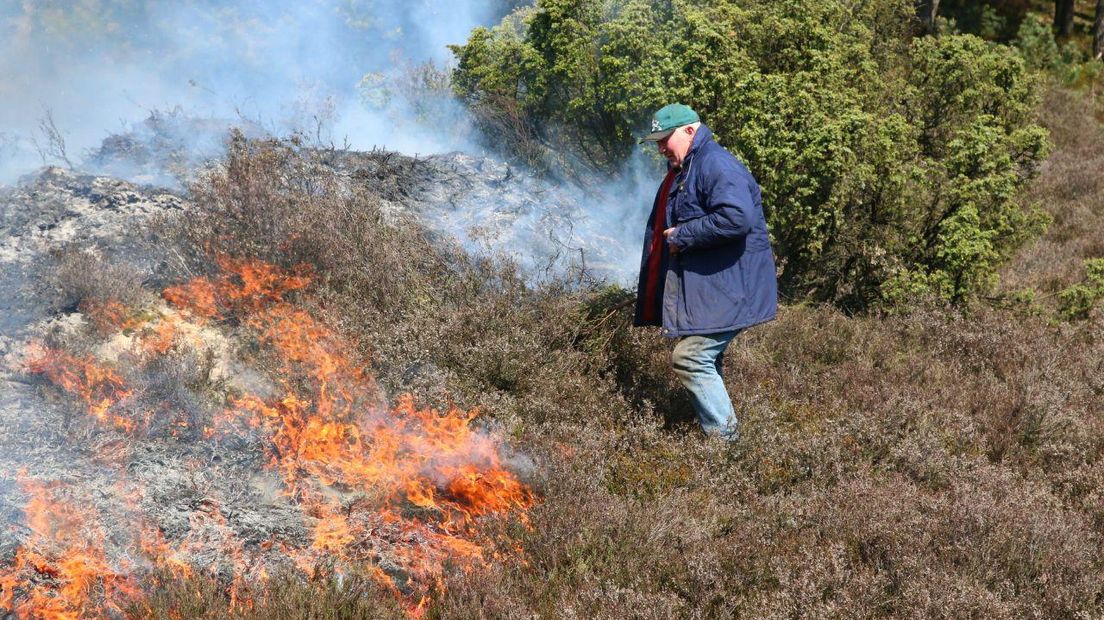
(727, 204)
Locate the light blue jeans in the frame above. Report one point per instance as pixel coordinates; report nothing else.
(697, 361)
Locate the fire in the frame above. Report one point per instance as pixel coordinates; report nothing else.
(243, 285)
(332, 533)
(197, 296)
(409, 482)
(161, 337)
(108, 315)
(61, 571)
(100, 388)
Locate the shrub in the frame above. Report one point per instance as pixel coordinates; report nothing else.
(202, 597)
(890, 166)
(1071, 64)
(459, 329)
(1036, 43)
(1078, 300)
(83, 275)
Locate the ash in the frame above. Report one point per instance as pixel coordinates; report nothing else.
(209, 498)
(42, 437)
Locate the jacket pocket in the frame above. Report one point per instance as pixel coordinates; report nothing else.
(734, 284)
(757, 242)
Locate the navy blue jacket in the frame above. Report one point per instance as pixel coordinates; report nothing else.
(723, 277)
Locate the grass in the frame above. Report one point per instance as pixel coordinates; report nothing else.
(1071, 189)
(942, 463)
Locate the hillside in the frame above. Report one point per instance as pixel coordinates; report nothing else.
(936, 463)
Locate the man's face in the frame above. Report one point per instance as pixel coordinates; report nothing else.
(675, 146)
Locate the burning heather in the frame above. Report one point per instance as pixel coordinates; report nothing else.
(398, 489)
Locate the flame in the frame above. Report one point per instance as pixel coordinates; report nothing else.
(109, 315)
(161, 336)
(245, 284)
(406, 482)
(61, 571)
(196, 296)
(98, 387)
(332, 533)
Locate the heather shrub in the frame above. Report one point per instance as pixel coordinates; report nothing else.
(938, 463)
(84, 275)
(1072, 191)
(202, 597)
(890, 166)
(928, 415)
(461, 329)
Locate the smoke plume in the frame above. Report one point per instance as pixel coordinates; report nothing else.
(160, 83)
(92, 68)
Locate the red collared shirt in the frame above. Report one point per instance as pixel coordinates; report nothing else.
(653, 306)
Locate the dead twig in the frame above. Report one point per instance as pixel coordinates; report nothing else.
(54, 146)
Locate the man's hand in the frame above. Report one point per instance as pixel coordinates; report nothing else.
(667, 235)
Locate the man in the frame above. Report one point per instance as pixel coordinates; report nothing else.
(707, 271)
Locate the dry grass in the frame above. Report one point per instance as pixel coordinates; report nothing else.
(284, 598)
(1070, 188)
(940, 464)
(83, 275)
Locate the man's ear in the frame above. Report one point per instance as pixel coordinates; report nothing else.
(690, 129)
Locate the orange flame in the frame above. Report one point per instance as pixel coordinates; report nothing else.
(108, 315)
(197, 296)
(429, 476)
(161, 336)
(98, 387)
(61, 572)
(245, 285)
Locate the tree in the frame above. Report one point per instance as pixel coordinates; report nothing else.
(890, 164)
(1063, 17)
(927, 10)
(1098, 31)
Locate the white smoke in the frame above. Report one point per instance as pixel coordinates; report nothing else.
(102, 66)
(171, 76)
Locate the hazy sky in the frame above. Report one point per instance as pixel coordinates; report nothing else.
(102, 65)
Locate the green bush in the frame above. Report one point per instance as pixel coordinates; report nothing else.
(1077, 301)
(889, 165)
(1036, 43)
(1071, 64)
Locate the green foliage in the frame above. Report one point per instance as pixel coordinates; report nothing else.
(1070, 64)
(989, 19)
(1023, 302)
(1077, 301)
(1036, 43)
(889, 165)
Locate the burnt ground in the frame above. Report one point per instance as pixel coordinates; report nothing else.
(199, 496)
(194, 494)
(44, 436)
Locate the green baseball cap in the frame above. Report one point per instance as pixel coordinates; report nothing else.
(669, 118)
